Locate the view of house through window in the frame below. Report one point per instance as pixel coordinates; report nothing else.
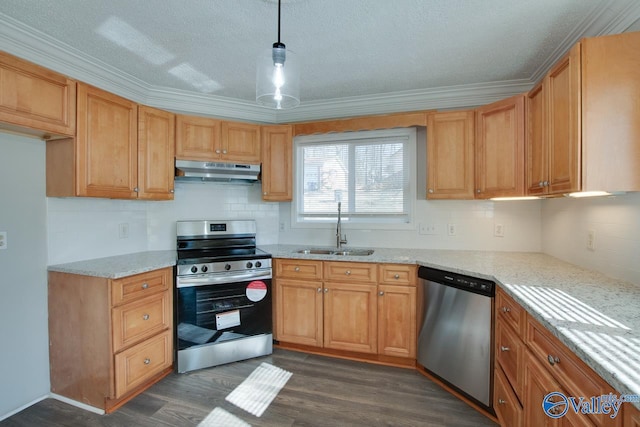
(368, 172)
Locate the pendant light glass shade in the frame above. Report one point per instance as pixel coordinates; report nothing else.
(278, 79)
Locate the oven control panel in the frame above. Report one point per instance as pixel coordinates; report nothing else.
(223, 266)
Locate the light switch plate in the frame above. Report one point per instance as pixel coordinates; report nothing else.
(3, 240)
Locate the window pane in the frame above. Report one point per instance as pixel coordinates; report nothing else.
(380, 178)
(325, 177)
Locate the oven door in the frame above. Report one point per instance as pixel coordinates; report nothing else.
(210, 311)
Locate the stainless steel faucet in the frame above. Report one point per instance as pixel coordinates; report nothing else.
(339, 239)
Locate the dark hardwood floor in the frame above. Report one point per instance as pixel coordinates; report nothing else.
(323, 391)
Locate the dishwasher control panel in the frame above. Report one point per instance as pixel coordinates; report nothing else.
(460, 281)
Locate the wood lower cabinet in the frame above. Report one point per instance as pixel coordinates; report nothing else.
(109, 338)
(356, 307)
(500, 149)
(506, 403)
(631, 416)
(36, 100)
(277, 163)
(450, 155)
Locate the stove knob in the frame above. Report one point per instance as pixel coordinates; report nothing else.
(204, 268)
(194, 269)
(249, 264)
(258, 264)
(227, 267)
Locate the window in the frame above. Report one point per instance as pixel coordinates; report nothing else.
(370, 173)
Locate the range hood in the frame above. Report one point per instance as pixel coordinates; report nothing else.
(217, 171)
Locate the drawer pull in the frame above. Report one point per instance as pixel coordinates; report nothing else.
(503, 348)
(145, 285)
(553, 360)
(348, 272)
(397, 276)
(506, 309)
(381, 293)
(502, 401)
(147, 361)
(296, 269)
(145, 317)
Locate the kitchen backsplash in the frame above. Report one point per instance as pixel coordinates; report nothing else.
(84, 228)
(616, 225)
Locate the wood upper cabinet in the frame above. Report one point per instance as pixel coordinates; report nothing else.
(500, 149)
(450, 155)
(36, 100)
(553, 129)
(109, 338)
(611, 113)
(197, 138)
(121, 151)
(240, 142)
(277, 163)
(106, 145)
(156, 145)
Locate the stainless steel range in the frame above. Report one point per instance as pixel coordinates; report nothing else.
(223, 294)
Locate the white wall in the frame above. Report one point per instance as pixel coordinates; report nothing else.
(85, 228)
(24, 358)
(616, 222)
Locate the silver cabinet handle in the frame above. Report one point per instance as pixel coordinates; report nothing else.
(506, 309)
(546, 183)
(147, 361)
(224, 151)
(431, 191)
(326, 290)
(502, 401)
(145, 285)
(348, 272)
(397, 276)
(265, 193)
(319, 290)
(541, 184)
(296, 269)
(503, 348)
(172, 191)
(145, 317)
(217, 151)
(478, 191)
(136, 189)
(381, 293)
(553, 360)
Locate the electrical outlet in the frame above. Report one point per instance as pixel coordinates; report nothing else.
(451, 229)
(427, 228)
(123, 230)
(591, 240)
(282, 226)
(3, 240)
(498, 230)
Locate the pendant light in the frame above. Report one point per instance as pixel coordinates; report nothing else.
(278, 76)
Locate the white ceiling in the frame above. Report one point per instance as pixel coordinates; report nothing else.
(357, 56)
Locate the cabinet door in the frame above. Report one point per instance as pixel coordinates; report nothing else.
(106, 145)
(350, 317)
(537, 384)
(500, 149)
(450, 151)
(536, 142)
(197, 138)
(505, 402)
(240, 142)
(299, 312)
(397, 321)
(631, 416)
(156, 145)
(277, 158)
(36, 98)
(563, 91)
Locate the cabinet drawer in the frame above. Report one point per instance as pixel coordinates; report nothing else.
(350, 271)
(397, 274)
(298, 269)
(510, 312)
(575, 376)
(510, 355)
(138, 320)
(506, 404)
(133, 367)
(141, 285)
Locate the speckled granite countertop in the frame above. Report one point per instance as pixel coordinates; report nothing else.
(594, 315)
(115, 267)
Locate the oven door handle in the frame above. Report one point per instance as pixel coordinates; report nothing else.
(220, 279)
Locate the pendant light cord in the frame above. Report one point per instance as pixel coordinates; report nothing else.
(279, 21)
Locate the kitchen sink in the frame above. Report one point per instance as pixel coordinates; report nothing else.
(342, 252)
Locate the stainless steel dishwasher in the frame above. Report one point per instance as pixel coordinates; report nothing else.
(456, 337)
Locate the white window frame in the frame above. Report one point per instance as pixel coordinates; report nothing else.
(378, 223)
